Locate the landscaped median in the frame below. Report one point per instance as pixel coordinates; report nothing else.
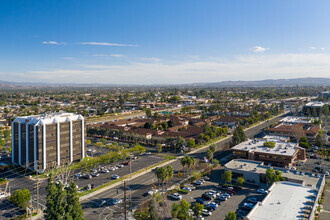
(86, 194)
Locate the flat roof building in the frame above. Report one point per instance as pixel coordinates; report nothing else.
(47, 141)
(283, 154)
(254, 172)
(285, 201)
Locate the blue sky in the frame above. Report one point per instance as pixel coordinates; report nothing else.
(163, 41)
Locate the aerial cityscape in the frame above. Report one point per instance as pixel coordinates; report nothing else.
(187, 110)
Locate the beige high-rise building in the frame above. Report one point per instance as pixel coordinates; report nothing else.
(48, 141)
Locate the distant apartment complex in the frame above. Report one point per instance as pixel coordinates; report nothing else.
(46, 141)
(283, 154)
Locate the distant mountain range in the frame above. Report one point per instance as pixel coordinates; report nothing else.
(310, 81)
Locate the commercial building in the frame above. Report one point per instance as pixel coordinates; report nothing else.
(254, 172)
(282, 155)
(295, 130)
(48, 141)
(285, 201)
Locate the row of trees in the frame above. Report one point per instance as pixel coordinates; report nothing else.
(164, 174)
(211, 132)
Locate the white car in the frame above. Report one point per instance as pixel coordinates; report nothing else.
(151, 192)
(212, 195)
(214, 192)
(206, 178)
(115, 177)
(198, 182)
(176, 196)
(120, 165)
(187, 189)
(263, 191)
(326, 173)
(206, 212)
(213, 203)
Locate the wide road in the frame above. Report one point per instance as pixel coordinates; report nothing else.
(128, 116)
(141, 185)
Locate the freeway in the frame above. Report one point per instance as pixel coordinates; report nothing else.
(138, 187)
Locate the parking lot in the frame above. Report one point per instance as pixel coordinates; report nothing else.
(234, 203)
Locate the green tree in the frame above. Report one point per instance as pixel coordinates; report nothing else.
(319, 139)
(239, 181)
(213, 148)
(226, 176)
(50, 201)
(273, 176)
(230, 216)
(153, 209)
(215, 162)
(103, 140)
(73, 208)
(170, 172)
(159, 148)
(209, 154)
(303, 142)
(20, 197)
(191, 143)
(175, 210)
(148, 112)
(197, 209)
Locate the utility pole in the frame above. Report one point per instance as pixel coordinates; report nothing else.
(125, 210)
(130, 166)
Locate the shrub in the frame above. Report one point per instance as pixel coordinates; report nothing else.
(183, 191)
(269, 144)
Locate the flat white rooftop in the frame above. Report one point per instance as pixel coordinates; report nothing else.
(274, 138)
(49, 118)
(315, 104)
(296, 120)
(281, 148)
(286, 201)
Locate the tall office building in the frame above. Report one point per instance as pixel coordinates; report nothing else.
(47, 141)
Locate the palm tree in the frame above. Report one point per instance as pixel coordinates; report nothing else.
(170, 173)
(183, 162)
(193, 162)
(161, 174)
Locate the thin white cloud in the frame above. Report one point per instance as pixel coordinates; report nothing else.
(259, 49)
(68, 58)
(108, 44)
(317, 48)
(152, 59)
(246, 67)
(53, 42)
(109, 55)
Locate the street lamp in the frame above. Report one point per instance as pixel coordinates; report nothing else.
(102, 212)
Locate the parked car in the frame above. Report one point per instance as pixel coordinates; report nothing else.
(187, 189)
(192, 187)
(214, 192)
(176, 196)
(151, 192)
(126, 163)
(95, 174)
(263, 191)
(87, 176)
(120, 165)
(198, 182)
(326, 173)
(253, 200)
(222, 198)
(217, 200)
(103, 202)
(206, 212)
(210, 207)
(213, 203)
(206, 178)
(115, 177)
(207, 196)
(200, 201)
(105, 171)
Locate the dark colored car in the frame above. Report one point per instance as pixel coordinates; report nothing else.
(200, 201)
